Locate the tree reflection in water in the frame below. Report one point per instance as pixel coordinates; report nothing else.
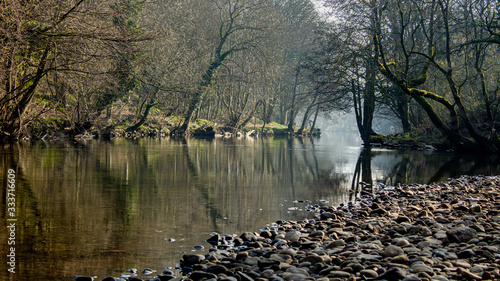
(392, 167)
(97, 208)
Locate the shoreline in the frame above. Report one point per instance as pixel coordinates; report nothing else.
(442, 231)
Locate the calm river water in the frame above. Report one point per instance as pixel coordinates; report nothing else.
(100, 208)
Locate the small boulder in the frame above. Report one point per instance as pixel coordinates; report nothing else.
(392, 251)
(461, 234)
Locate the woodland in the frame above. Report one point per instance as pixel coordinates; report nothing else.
(109, 67)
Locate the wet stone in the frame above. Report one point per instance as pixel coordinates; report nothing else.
(192, 259)
(217, 269)
(248, 236)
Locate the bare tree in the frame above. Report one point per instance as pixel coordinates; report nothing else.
(240, 28)
(46, 42)
(430, 45)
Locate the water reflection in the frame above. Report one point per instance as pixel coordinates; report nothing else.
(97, 208)
(392, 167)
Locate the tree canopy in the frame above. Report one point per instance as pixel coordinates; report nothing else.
(77, 65)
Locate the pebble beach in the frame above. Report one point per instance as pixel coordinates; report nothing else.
(443, 231)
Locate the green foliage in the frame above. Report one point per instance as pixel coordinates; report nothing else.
(275, 125)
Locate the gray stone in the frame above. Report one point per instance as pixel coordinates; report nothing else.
(466, 254)
(439, 278)
(252, 260)
(244, 277)
(340, 274)
(267, 273)
(401, 242)
(440, 234)
(292, 236)
(467, 274)
(313, 259)
(420, 267)
(368, 257)
(298, 271)
(192, 259)
(392, 251)
(293, 276)
(393, 274)
(249, 236)
(229, 278)
(198, 275)
(336, 243)
(461, 234)
(476, 208)
(368, 273)
(411, 278)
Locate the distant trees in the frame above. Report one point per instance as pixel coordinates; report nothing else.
(361, 80)
(87, 63)
(239, 59)
(238, 27)
(325, 70)
(81, 62)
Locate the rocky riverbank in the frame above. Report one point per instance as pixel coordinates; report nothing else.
(443, 231)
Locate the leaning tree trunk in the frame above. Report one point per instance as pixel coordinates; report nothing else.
(198, 97)
(13, 124)
(251, 115)
(143, 117)
(306, 116)
(313, 126)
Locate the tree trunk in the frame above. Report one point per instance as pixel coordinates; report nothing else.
(143, 118)
(294, 97)
(306, 116)
(313, 126)
(194, 105)
(403, 105)
(368, 102)
(14, 120)
(251, 115)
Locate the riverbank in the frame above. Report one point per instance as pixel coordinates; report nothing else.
(443, 231)
(158, 127)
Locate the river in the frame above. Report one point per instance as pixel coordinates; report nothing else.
(101, 207)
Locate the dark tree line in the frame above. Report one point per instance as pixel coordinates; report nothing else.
(77, 65)
(428, 62)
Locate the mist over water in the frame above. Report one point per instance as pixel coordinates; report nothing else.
(99, 208)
